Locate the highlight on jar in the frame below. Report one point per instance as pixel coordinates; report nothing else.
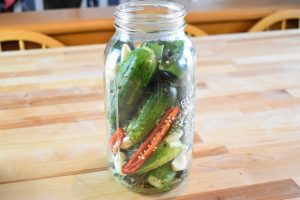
(150, 110)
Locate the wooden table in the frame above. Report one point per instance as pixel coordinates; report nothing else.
(95, 25)
(247, 144)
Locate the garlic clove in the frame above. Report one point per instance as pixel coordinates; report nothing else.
(126, 143)
(119, 161)
(125, 52)
(179, 163)
(174, 136)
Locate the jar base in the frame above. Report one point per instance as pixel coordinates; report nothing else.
(148, 189)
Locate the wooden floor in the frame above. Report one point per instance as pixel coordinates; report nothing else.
(247, 143)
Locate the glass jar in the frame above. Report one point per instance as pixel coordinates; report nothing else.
(149, 86)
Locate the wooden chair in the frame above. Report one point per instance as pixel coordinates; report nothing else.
(278, 17)
(22, 36)
(194, 31)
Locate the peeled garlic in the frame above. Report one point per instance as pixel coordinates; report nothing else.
(119, 161)
(125, 52)
(174, 136)
(111, 65)
(126, 143)
(179, 163)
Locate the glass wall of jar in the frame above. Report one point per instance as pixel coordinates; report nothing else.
(149, 86)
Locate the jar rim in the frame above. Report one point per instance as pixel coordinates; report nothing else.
(141, 9)
(156, 15)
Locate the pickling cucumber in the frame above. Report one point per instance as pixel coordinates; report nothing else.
(152, 110)
(162, 177)
(157, 48)
(173, 64)
(163, 154)
(133, 76)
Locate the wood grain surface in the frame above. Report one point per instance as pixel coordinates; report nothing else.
(247, 142)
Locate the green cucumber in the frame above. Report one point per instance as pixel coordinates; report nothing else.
(173, 50)
(163, 154)
(174, 64)
(162, 177)
(133, 76)
(157, 48)
(152, 110)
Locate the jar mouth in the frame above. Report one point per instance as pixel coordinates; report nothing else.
(150, 16)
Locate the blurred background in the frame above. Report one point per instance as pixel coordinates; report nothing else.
(33, 5)
(39, 5)
(81, 22)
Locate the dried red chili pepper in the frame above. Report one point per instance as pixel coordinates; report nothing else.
(151, 143)
(116, 139)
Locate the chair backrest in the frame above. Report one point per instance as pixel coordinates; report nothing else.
(194, 31)
(22, 36)
(278, 17)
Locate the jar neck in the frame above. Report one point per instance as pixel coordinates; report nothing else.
(150, 17)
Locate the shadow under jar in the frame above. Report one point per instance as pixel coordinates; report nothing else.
(149, 86)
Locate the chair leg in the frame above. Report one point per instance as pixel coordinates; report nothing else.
(21, 45)
(283, 25)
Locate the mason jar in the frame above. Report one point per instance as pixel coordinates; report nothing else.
(150, 95)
